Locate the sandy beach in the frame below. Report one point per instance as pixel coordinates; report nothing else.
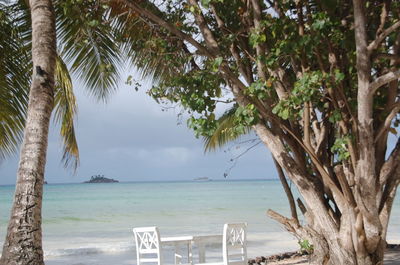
(392, 257)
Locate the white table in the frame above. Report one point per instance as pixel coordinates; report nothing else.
(178, 241)
(200, 241)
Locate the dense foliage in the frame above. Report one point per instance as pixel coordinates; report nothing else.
(316, 80)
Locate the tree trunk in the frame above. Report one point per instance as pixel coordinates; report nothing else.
(333, 253)
(23, 243)
(336, 241)
(332, 248)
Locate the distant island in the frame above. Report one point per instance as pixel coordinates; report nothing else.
(100, 179)
(202, 179)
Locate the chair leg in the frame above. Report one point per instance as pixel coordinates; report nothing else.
(177, 256)
(202, 254)
(190, 253)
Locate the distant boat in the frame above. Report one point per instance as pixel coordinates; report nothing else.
(202, 179)
(100, 179)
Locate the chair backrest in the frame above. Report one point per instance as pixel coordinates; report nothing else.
(234, 245)
(148, 247)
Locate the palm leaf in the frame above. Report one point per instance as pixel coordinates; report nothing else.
(15, 44)
(14, 79)
(88, 44)
(154, 53)
(64, 112)
(225, 131)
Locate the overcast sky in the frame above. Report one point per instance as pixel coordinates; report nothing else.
(131, 139)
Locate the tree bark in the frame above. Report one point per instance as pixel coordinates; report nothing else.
(23, 243)
(335, 241)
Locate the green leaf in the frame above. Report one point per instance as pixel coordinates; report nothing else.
(256, 38)
(339, 76)
(93, 23)
(89, 46)
(284, 114)
(217, 62)
(335, 116)
(205, 3)
(65, 112)
(15, 60)
(276, 109)
(340, 148)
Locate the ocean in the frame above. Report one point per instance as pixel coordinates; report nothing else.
(91, 224)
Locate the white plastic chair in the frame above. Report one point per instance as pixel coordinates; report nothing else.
(148, 246)
(234, 245)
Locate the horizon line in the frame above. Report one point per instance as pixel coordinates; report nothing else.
(150, 181)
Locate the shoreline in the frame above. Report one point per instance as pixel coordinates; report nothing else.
(392, 257)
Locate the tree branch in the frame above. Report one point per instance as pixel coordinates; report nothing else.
(391, 95)
(386, 56)
(260, 47)
(290, 224)
(244, 69)
(205, 30)
(383, 80)
(287, 190)
(388, 121)
(390, 187)
(387, 202)
(203, 50)
(383, 18)
(391, 163)
(262, 50)
(156, 19)
(375, 43)
(306, 124)
(278, 151)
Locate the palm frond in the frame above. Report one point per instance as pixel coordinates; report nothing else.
(88, 44)
(65, 111)
(14, 78)
(225, 131)
(154, 53)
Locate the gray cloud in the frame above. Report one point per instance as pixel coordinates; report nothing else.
(130, 138)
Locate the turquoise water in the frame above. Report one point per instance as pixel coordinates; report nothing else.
(92, 223)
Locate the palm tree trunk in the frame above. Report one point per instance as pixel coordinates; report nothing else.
(23, 244)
